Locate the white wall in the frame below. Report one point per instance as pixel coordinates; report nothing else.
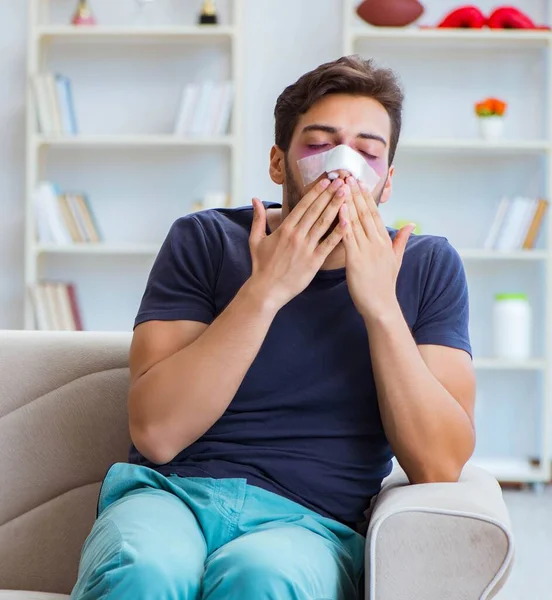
(13, 25)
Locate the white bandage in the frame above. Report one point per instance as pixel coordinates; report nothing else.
(341, 157)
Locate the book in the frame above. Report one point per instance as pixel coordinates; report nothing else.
(202, 115)
(46, 198)
(40, 310)
(187, 106)
(69, 219)
(64, 104)
(224, 112)
(89, 221)
(75, 209)
(41, 105)
(534, 227)
(77, 319)
(63, 218)
(53, 104)
(55, 306)
(516, 224)
(496, 226)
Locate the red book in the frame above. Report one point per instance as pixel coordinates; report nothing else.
(74, 307)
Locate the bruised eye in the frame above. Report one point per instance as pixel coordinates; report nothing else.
(368, 155)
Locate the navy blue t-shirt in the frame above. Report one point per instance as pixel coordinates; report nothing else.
(305, 421)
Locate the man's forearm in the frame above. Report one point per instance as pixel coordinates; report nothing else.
(430, 433)
(181, 397)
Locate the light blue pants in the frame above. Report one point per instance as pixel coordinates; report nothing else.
(172, 538)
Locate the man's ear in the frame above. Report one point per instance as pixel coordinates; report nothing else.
(277, 169)
(388, 187)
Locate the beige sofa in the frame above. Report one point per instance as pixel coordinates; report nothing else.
(63, 422)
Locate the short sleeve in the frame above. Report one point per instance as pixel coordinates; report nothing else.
(443, 316)
(182, 280)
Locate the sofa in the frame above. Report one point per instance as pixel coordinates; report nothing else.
(63, 422)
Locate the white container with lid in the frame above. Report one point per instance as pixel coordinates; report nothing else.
(512, 322)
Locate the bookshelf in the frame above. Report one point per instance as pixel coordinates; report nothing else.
(127, 76)
(450, 182)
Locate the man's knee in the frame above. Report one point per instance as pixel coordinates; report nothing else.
(114, 567)
(284, 563)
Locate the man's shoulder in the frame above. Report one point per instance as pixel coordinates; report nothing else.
(428, 248)
(215, 221)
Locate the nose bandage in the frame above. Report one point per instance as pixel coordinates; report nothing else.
(339, 158)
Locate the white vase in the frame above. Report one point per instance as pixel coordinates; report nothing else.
(491, 128)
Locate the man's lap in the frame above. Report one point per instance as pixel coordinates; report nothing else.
(211, 539)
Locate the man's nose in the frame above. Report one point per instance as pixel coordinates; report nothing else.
(339, 173)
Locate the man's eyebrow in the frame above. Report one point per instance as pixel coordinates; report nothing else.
(333, 130)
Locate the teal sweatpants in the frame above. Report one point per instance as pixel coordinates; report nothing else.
(173, 538)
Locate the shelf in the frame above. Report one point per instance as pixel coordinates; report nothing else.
(101, 33)
(124, 141)
(474, 145)
(482, 254)
(510, 470)
(485, 36)
(503, 364)
(104, 248)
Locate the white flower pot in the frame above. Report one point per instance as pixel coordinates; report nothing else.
(491, 128)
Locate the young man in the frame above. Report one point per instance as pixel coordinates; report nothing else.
(281, 356)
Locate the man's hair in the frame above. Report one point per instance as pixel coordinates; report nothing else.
(348, 75)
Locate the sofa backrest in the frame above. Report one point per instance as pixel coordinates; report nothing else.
(63, 422)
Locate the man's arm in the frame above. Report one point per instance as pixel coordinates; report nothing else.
(426, 393)
(184, 374)
(426, 396)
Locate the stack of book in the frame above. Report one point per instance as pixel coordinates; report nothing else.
(516, 224)
(63, 218)
(56, 307)
(205, 109)
(55, 108)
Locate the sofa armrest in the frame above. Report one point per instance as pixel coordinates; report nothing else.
(438, 540)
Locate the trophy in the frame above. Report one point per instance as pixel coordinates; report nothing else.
(208, 14)
(83, 15)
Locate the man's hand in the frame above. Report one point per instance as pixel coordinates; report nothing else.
(372, 259)
(286, 261)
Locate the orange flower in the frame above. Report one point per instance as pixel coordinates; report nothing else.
(490, 107)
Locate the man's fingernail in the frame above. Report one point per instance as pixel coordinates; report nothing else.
(325, 183)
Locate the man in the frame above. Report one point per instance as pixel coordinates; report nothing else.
(281, 356)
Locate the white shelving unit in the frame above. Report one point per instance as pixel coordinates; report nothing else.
(48, 30)
(512, 387)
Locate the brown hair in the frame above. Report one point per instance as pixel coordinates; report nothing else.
(347, 75)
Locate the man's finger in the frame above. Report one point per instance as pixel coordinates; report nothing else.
(322, 214)
(364, 209)
(258, 227)
(303, 205)
(318, 206)
(325, 247)
(346, 228)
(373, 207)
(401, 239)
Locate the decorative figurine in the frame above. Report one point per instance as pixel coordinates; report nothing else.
(208, 14)
(83, 15)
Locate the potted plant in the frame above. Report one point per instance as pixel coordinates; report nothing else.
(490, 114)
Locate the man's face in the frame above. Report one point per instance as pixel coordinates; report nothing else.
(357, 121)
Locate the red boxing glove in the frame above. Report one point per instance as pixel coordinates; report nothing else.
(508, 17)
(467, 17)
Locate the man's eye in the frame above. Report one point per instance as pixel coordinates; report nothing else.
(318, 146)
(367, 155)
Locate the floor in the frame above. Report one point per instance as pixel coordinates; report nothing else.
(531, 515)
